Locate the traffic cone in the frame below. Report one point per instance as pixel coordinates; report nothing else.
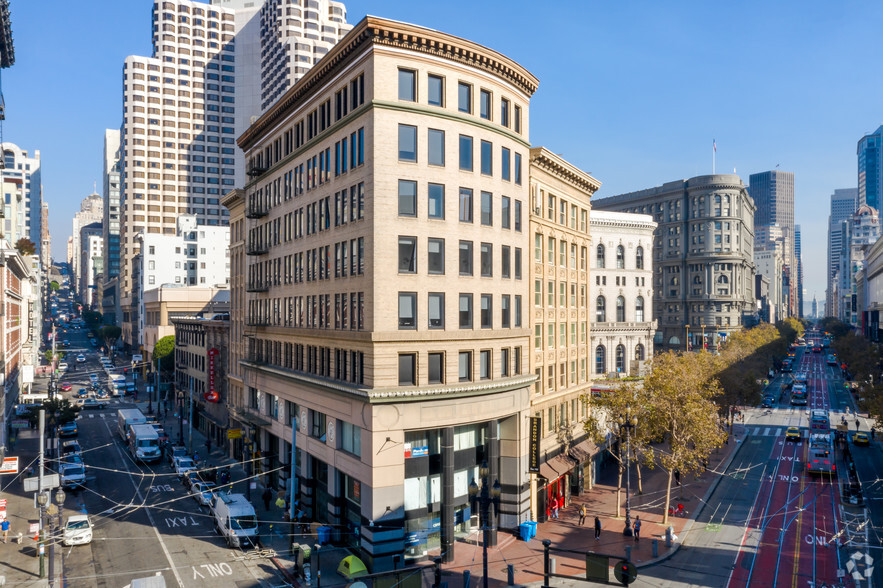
(37, 536)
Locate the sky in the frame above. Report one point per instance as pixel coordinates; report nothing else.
(632, 92)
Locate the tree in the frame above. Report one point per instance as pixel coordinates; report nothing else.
(48, 355)
(110, 334)
(601, 425)
(744, 362)
(679, 392)
(67, 412)
(25, 246)
(54, 286)
(92, 318)
(164, 351)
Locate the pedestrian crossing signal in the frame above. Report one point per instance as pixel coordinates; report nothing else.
(625, 572)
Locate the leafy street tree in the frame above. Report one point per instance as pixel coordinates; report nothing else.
(67, 412)
(110, 334)
(679, 393)
(48, 355)
(25, 246)
(836, 327)
(744, 362)
(54, 286)
(92, 318)
(165, 352)
(602, 428)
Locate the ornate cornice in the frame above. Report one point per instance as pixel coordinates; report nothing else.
(372, 30)
(563, 170)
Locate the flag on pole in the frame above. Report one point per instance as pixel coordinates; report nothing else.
(714, 145)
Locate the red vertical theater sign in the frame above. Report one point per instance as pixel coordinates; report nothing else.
(212, 394)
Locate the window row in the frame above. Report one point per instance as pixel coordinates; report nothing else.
(309, 266)
(559, 378)
(620, 280)
(342, 311)
(509, 311)
(411, 366)
(563, 247)
(509, 164)
(619, 360)
(435, 95)
(558, 209)
(601, 309)
(508, 213)
(509, 260)
(601, 261)
(341, 364)
(561, 330)
(562, 294)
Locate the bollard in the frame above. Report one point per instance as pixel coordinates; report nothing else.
(628, 553)
(669, 531)
(546, 563)
(510, 575)
(656, 548)
(466, 578)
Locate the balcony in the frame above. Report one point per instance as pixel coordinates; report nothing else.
(254, 170)
(256, 209)
(257, 286)
(257, 249)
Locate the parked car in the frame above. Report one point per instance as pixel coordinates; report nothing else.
(77, 530)
(202, 492)
(72, 475)
(173, 451)
(71, 448)
(183, 465)
(68, 430)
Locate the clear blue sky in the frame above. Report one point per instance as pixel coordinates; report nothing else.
(633, 92)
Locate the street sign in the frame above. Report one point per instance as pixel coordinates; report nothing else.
(10, 465)
(137, 358)
(49, 481)
(20, 424)
(234, 434)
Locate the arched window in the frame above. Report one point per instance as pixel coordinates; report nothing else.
(639, 258)
(600, 256)
(620, 257)
(722, 280)
(697, 280)
(639, 309)
(601, 310)
(620, 309)
(620, 358)
(639, 352)
(600, 359)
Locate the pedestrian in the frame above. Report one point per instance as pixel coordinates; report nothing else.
(873, 431)
(4, 526)
(857, 423)
(196, 458)
(678, 477)
(582, 514)
(267, 496)
(554, 506)
(637, 528)
(208, 445)
(597, 529)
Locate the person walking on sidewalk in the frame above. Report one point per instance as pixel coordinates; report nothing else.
(678, 477)
(582, 514)
(4, 526)
(597, 529)
(267, 496)
(637, 528)
(554, 506)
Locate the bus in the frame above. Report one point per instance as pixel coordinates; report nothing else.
(818, 421)
(798, 395)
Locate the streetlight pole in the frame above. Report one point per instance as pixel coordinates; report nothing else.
(687, 339)
(627, 422)
(42, 498)
(484, 497)
(56, 529)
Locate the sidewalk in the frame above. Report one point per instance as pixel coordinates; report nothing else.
(600, 501)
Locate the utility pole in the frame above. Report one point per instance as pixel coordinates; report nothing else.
(41, 499)
(52, 365)
(190, 420)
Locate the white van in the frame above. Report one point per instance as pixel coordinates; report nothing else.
(235, 519)
(144, 443)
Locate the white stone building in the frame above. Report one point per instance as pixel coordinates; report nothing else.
(19, 165)
(622, 326)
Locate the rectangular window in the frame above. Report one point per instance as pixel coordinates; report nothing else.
(550, 335)
(408, 369)
(505, 212)
(517, 119)
(484, 104)
(538, 292)
(436, 310)
(350, 439)
(436, 90)
(505, 268)
(407, 144)
(317, 425)
(465, 153)
(436, 368)
(465, 258)
(407, 198)
(517, 216)
(408, 85)
(464, 366)
(465, 311)
(517, 167)
(487, 158)
(464, 97)
(517, 311)
(550, 293)
(487, 260)
(435, 256)
(504, 112)
(487, 206)
(505, 311)
(465, 205)
(504, 362)
(407, 255)
(538, 336)
(436, 201)
(484, 364)
(407, 310)
(518, 263)
(487, 307)
(505, 155)
(436, 141)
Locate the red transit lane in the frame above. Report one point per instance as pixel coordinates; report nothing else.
(795, 511)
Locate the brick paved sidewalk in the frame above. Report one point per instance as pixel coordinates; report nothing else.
(565, 532)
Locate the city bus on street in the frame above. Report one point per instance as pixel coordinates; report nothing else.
(818, 421)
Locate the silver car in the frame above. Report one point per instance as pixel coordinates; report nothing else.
(202, 492)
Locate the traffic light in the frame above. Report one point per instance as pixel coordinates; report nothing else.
(625, 572)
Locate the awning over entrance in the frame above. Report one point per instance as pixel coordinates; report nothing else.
(583, 451)
(556, 467)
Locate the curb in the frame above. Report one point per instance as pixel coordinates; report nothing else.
(689, 524)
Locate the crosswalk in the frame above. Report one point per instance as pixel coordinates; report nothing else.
(765, 431)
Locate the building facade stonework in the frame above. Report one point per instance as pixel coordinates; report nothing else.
(703, 249)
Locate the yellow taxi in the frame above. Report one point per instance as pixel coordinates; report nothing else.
(792, 434)
(860, 438)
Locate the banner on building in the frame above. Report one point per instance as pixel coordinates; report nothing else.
(536, 434)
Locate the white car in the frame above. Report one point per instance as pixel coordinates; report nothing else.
(81, 358)
(183, 465)
(73, 475)
(77, 530)
(202, 492)
(62, 366)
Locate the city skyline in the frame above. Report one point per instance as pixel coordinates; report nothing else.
(642, 129)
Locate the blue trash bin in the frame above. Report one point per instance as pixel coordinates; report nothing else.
(533, 528)
(324, 535)
(524, 530)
